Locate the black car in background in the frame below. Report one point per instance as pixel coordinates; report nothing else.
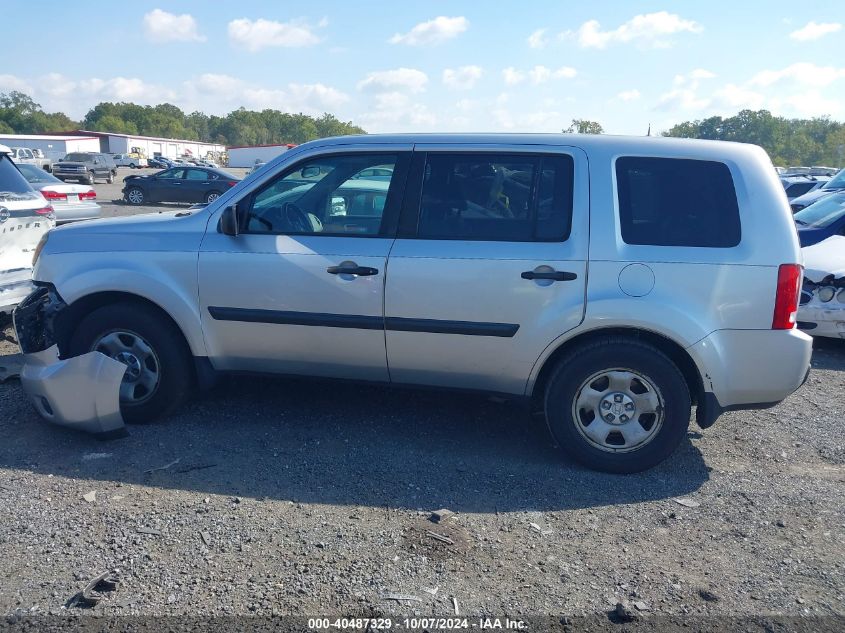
(178, 184)
(85, 167)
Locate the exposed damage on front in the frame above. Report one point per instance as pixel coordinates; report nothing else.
(822, 306)
(82, 392)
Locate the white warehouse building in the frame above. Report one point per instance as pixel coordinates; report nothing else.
(54, 146)
(248, 155)
(152, 146)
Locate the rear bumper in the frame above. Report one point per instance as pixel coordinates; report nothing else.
(822, 319)
(747, 369)
(74, 212)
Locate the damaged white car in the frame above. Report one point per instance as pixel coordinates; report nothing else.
(25, 217)
(822, 306)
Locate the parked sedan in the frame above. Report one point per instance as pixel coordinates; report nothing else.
(837, 183)
(70, 202)
(179, 184)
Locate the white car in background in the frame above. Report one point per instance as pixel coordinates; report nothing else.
(70, 201)
(822, 306)
(25, 218)
(127, 160)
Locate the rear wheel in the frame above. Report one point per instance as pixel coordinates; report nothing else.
(212, 196)
(159, 375)
(135, 196)
(618, 405)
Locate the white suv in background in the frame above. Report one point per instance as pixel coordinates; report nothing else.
(25, 217)
(616, 282)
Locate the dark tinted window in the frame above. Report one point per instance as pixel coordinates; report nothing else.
(677, 202)
(13, 186)
(799, 188)
(197, 174)
(496, 197)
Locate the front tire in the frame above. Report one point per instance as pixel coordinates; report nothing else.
(159, 375)
(90, 179)
(617, 405)
(135, 196)
(110, 178)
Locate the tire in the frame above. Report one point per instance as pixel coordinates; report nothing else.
(110, 178)
(169, 364)
(90, 179)
(211, 196)
(136, 196)
(627, 380)
(133, 166)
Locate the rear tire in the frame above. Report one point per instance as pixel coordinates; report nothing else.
(617, 405)
(135, 196)
(168, 365)
(212, 196)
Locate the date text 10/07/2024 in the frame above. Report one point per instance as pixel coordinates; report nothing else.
(416, 624)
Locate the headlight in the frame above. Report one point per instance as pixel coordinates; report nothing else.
(826, 293)
(40, 247)
(840, 296)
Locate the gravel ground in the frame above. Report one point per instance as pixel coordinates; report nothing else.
(312, 497)
(273, 496)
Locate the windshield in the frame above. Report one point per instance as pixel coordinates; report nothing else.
(78, 158)
(837, 182)
(822, 213)
(36, 175)
(13, 186)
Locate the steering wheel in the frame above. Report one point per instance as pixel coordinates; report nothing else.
(295, 218)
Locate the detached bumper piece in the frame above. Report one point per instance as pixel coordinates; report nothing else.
(82, 392)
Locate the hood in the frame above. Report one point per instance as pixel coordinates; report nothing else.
(825, 258)
(811, 196)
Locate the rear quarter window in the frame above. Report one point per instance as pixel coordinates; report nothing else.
(677, 202)
(13, 186)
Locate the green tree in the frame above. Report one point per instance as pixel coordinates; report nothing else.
(584, 126)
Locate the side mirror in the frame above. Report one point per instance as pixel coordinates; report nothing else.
(229, 221)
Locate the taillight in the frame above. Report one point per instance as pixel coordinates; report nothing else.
(88, 195)
(45, 211)
(786, 298)
(54, 196)
(232, 183)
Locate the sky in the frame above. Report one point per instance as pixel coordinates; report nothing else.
(392, 66)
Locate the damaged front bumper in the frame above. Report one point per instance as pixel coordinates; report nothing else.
(822, 308)
(82, 392)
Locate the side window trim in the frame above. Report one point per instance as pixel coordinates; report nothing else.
(412, 203)
(395, 193)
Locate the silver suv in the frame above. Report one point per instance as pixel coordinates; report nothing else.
(614, 282)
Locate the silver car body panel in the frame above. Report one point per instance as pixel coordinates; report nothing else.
(79, 392)
(714, 303)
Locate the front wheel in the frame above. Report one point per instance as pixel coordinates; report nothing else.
(159, 375)
(618, 405)
(135, 196)
(110, 178)
(90, 178)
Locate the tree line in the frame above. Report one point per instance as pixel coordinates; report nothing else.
(20, 114)
(815, 141)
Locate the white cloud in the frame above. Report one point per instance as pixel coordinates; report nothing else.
(512, 76)
(814, 30)
(397, 112)
(701, 73)
(629, 95)
(648, 30)
(684, 99)
(434, 31)
(538, 39)
(542, 74)
(733, 97)
(400, 79)
(253, 35)
(11, 82)
(463, 78)
(807, 104)
(802, 73)
(228, 92)
(161, 26)
(211, 83)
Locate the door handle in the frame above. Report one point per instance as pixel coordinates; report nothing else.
(361, 271)
(554, 275)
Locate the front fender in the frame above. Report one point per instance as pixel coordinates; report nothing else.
(166, 279)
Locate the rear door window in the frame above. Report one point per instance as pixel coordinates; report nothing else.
(496, 197)
(677, 202)
(13, 186)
